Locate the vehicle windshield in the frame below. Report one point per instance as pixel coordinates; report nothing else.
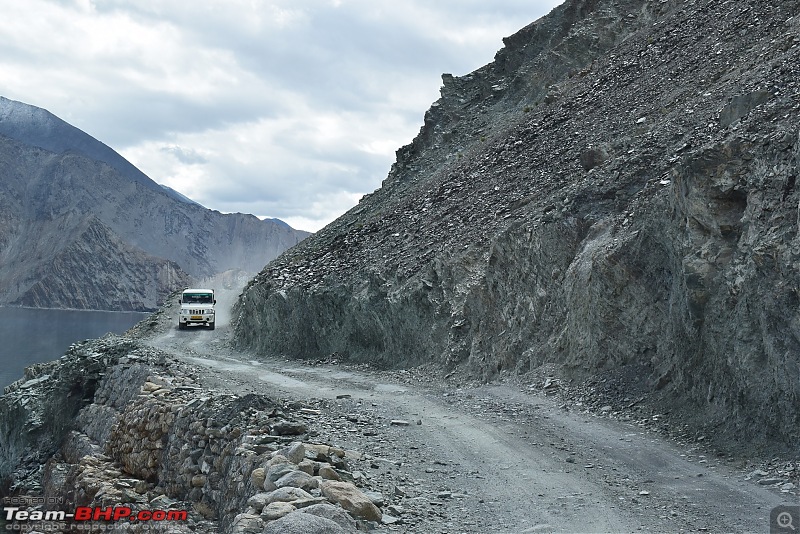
(197, 298)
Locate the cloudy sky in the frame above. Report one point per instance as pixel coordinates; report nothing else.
(290, 109)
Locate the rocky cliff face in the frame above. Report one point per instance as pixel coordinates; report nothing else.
(78, 232)
(615, 194)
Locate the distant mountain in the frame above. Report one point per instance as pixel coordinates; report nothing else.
(38, 127)
(81, 227)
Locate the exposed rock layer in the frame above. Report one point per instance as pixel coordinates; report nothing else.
(616, 190)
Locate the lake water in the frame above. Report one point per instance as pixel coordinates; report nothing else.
(30, 336)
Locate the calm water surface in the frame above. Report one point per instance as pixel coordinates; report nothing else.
(29, 336)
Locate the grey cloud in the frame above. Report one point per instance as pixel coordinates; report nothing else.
(188, 156)
(338, 58)
(350, 62)
(148, 115)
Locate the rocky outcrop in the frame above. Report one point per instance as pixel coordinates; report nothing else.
(617, 190)
(116, 423)
(39, 410)
(76, 217)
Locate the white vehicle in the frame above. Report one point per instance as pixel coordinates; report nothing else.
(197, 307)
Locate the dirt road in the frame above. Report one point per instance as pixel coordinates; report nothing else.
(491, 458)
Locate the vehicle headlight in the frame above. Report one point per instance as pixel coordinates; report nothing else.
(210, 312)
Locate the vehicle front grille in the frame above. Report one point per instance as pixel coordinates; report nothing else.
(195, 312)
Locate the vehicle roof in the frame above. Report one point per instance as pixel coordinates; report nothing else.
(197, 290)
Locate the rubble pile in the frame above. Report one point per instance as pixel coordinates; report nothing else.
(147, 437)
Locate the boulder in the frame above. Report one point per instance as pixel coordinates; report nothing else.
(302, 523)
(276, 510)
(351, 499)
(247, 524)
(297, 479)
(287, 494)
(334, 513)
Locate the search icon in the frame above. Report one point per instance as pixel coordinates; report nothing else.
(785, 520)
(782, 518)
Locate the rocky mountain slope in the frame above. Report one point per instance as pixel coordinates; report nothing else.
(38, 127)
(82, 228)
(614, 195)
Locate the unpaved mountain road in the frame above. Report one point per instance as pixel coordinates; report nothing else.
(492, 458)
